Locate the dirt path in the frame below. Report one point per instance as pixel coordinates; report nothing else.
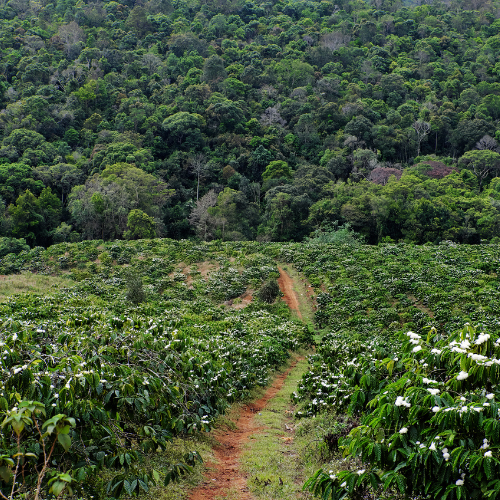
(290, 295)
(224, 475)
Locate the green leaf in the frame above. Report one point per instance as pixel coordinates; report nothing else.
(64, 440)
(401, 483)
(127, 487)
(5, 474)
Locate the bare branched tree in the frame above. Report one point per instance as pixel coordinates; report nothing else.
(200, 218)
(70, 34)
(487, 142)
(151, 61)
(334, 40)
(422, 129)
(198, 165)
(272, 116)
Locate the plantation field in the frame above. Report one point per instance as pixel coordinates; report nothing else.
(410, 365)
(116, 381)
(400, 394)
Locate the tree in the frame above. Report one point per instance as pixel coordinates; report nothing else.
(138, 21)
(16, 178)
(100, 207)
(280, 215)
(23, 139)
(120, 152)
(198, 165)
(213, 69)
(184, 128)
(334, 40)
(99, 210)
(61, 177)
(360, 127)
(140, 226)
(235, 215)
(34, 218)
(482, 163)
(63, 232)
(71, 35)
(381, 175)
(145, 191)
(12, 245)
(226, 114)
(200, 217)
(422, 129)
(487, 142)
(364, 161)
(276, 170)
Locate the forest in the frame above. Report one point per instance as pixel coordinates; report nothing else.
(239, 120)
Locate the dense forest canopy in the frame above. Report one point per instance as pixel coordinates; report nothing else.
(249, 120)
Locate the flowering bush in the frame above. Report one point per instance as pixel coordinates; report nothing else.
(432, 428)
(128, 378)
(397, 357)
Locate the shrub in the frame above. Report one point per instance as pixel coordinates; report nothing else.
(135, 288)
(269, 291)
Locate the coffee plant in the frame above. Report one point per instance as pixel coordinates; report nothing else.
(412, 355)
(409, 363)
(92, 380)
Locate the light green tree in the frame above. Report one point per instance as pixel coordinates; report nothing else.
(140, 226)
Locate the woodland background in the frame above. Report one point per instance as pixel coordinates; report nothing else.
(247, 120)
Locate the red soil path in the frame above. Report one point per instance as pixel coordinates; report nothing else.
(290, 295)
(224, 474)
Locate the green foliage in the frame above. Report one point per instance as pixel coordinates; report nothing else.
(140, 225)
(12, 245)
(277, 169)
(342, 235)
(364, 92)
(269, 291)
(398, 361)
(116, 381)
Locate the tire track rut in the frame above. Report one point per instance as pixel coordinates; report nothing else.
(224, 474)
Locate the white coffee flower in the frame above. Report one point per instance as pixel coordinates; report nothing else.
(482, 338)
(465, 344)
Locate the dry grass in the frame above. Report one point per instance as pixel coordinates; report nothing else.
(30, 283)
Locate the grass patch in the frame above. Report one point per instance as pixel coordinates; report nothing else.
(278, 460)
(38, 284)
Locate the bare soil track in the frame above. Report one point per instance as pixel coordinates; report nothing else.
(224, 474)
(290, 295)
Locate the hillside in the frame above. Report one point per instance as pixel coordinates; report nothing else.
(112, 382)
(243, 120)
